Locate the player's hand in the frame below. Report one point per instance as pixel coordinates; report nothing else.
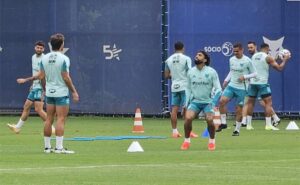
(75, 97)
(286, 57)
(241, 78)
(225, 83)
(21, 80)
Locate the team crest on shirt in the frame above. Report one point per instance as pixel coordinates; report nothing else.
(206, 75)
(241, 65)
(176, 86)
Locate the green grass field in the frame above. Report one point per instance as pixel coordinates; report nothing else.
(256, 157)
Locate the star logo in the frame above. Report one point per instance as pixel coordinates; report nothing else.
(111, 52)
(64, 50)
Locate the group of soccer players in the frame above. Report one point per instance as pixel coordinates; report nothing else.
(198, 89)
(50, 75)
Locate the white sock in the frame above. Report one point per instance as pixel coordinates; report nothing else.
(249, 120)
(187, 140)
(47, 142)
(237, 126)
(175, 131)
(223, 119)
(244, 120)
(268, 121)
(20, 123)
(59, 142)
(211, 141)
(275, 117)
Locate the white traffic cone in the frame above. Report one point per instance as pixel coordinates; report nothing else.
(292, 126)
(135, 147)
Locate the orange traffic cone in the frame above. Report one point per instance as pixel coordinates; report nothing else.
(138, 123)
(217, 117)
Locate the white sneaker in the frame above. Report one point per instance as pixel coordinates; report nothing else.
(48, 150)
(13, 128)
(271, 128)
(249, 127)
(63, 151)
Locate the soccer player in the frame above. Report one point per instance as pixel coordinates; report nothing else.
(202, 80)
(247, 119)
(54, 69)
(35, 96)
(176, 68)
(259, 85)
(241, 70)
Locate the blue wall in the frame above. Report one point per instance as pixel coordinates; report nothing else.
(208, 24)
(104, 85)
(134, 26)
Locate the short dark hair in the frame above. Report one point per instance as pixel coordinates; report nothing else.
(56, 41)
(39, 43)
(252, 42)
(264, 45)
(206, 56)
(178, 45)
(238, 45)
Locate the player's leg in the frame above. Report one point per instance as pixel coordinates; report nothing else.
(276, 119)
(244, 112)
(174, 113)
(209, 114)
(38, 106)
(16, 128)
(191, 113)
(240, 95)
(265, 92)
(175, 107)
(51, 111)
(252, 94)
(225, 98)
(238, 120)
(62, 110)
(183, 99)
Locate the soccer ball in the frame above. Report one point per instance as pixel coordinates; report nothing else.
(283, 52)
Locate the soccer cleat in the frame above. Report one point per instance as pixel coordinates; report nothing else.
(193, 135)
(221, 127)
(249, 127)
(176, 135)
(48, 150)
(243, 125)
(271, 128)
(13, 128)
(235, 133)
(63, 151)
(275, 123)
(211, 146)
(185, 146)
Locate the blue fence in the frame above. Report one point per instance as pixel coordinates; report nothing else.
(115, 46)
(214, 26)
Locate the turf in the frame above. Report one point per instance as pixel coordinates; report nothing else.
(256, 157)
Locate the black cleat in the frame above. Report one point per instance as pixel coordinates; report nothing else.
(235, 133)
(243, 125)
(275, 123)
(221, 127)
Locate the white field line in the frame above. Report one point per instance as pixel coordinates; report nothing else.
(167, 165)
